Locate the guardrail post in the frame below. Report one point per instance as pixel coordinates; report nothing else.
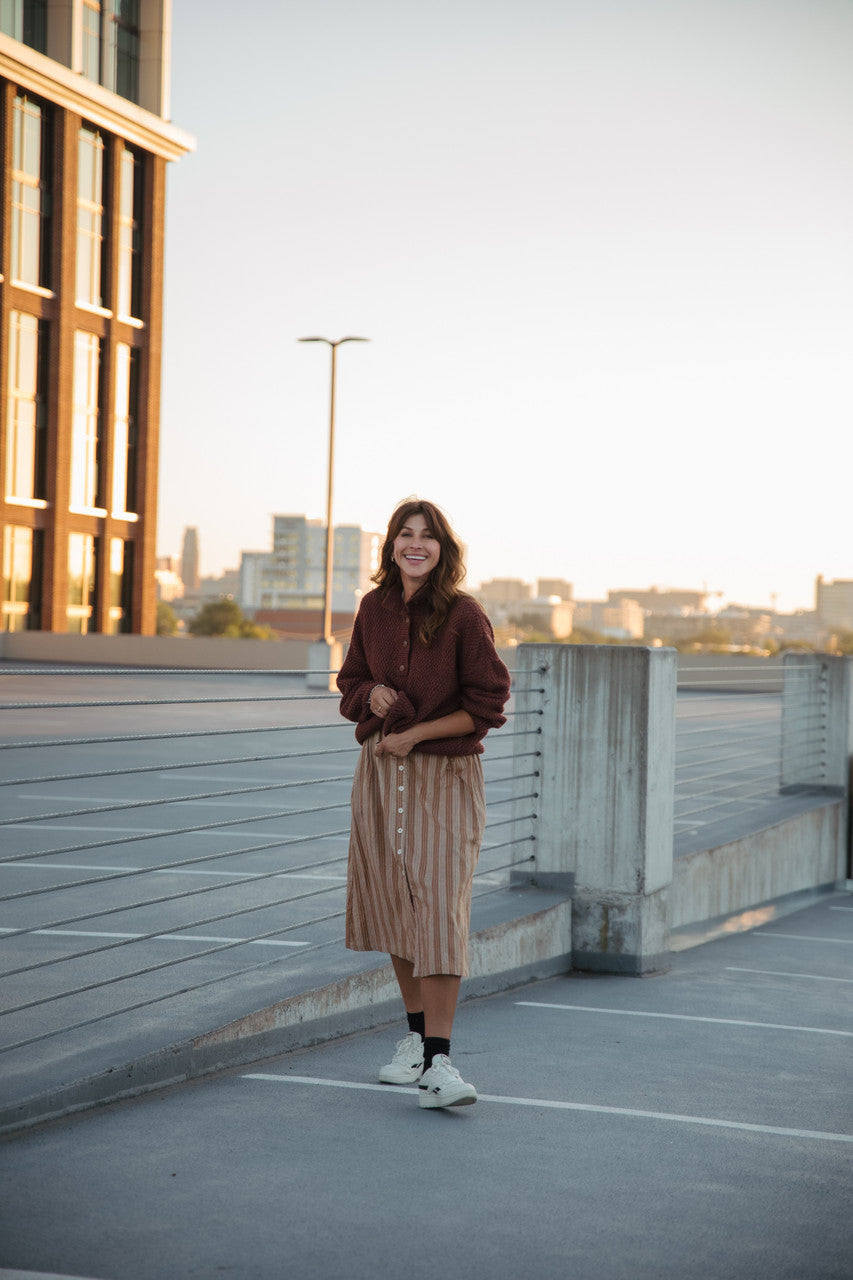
(815, 722)
(605, 822)
(323, 657)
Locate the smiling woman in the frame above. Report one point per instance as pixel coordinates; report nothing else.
(424, 684)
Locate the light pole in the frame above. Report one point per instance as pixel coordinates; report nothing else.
(327, 591)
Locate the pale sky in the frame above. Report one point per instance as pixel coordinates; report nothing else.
(603, 252)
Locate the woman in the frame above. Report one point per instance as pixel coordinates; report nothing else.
(424, 684)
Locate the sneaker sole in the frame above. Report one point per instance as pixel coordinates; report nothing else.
(433, 1101)
(403, 1077)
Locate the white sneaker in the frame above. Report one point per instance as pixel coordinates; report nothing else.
(442, 1086)
(408, 1061)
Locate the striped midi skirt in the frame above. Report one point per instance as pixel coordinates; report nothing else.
(417, 825)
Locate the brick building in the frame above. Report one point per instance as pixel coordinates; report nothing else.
(86, 139)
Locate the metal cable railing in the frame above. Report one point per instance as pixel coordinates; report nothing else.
(108, 893)
(731, 743)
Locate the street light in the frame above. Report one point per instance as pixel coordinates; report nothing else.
(327, 591)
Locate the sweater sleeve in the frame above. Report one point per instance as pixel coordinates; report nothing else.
(355, 679)
(483, 679)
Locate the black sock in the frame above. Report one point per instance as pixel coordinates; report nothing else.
(432, 1046)
(417, 1023)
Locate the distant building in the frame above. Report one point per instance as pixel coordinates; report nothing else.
(834, 603)
(291, 577)
(84, 106)
(501, 594)
(619, 620)
(168, 578)
(662, 599)
(190, 559)
(546, 587)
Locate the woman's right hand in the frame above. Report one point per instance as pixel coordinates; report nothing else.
(382, 700)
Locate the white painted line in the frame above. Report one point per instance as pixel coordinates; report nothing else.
(800, 937)
(685, 1017)
(672, 1117)
(784, 973)
(205, 834)
(167, 871)
(160, 937)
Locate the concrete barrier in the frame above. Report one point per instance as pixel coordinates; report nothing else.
(209, 652)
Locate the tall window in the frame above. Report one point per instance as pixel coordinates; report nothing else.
(27, 409)
(124, 429)
(92, 40)
(111, 45)
(85, 453)
(31, 153)
(21, 595)
(25, 20)
(82, 567)
(121, 586)
(130, 235)
(90, 216)
(125, 33)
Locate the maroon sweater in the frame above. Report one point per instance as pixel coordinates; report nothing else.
(460, 671)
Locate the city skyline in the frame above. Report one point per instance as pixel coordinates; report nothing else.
(602, 253)
(723, 598)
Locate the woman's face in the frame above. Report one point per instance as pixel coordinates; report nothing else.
(416, 553)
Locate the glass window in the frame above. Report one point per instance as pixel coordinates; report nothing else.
(124, 429)
(21, 598)
(130, 235)
(85, 451)
(92, 40)
(111, 45)
(27, 408)
(125, 29)
(121, 586)
(82, 567)
(31, 153)
(90, 216)
(25, 20)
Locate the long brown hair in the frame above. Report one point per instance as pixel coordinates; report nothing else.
(441, 588)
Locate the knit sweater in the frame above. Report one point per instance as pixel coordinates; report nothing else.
(460, 671)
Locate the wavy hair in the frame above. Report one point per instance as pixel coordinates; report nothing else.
(441, 587)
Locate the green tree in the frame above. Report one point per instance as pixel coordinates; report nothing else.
(167, 623)
(225, 618)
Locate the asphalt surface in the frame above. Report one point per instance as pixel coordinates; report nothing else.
(697, 1123)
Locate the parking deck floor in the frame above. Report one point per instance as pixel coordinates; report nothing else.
(698, 1123)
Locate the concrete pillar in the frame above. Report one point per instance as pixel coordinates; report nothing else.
(605, 811)
(815, 722)
(324, 658)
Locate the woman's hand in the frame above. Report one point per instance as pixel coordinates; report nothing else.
(397, 744)
(382, 700)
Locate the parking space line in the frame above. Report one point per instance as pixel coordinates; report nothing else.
(631, 1112)
(686, 1017)
(160, 937)
(801, 937)
(785, 973)
(172, 871)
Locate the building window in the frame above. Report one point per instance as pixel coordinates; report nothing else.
(92, 40)
(31, 156)
(130, 235)
(121, 586)
(90, 216)
(82, 574)
(124, 429)
(27, 409)
(25, 20)
(85, 451)
(125, 34)
(111, 45)
(22, 561)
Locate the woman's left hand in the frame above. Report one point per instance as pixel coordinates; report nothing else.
(396, 744)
